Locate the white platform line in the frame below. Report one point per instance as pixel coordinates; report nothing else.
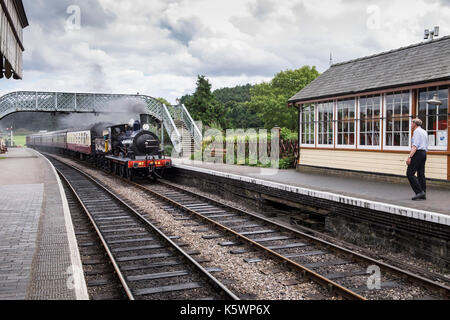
(80, 287)
(429, 216)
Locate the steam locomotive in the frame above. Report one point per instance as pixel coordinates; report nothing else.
(128, 150)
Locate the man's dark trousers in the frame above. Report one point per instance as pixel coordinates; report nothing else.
(418, 184)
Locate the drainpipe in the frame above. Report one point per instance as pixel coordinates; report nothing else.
(299, 135)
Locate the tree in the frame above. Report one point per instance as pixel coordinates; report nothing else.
(164, 101)
(270, 99)
(204, 106)
(237, 114)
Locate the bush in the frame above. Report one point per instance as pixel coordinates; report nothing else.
(289, 135)
(168, 150)
(287, 163)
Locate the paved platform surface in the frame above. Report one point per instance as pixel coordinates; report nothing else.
(391, 196)
(38, 255)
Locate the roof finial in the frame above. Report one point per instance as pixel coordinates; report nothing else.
(331, 59)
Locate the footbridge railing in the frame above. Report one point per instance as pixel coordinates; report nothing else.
(28, 101)
(180, 113)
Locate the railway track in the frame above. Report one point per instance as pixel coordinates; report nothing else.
(101, 280)
(147, 263)
(343, 272)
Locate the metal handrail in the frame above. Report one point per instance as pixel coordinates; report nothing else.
(36, 101)
(191, 125)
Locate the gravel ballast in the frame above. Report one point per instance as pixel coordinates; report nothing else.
(265, 280)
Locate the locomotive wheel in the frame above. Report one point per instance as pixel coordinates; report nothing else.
(122, 171)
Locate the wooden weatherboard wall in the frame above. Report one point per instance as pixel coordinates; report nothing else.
(374, 162)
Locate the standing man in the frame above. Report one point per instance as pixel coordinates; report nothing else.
(417, 159)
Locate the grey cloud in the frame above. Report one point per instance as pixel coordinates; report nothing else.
(160, 46)
(182, 30)
(98, 78)
(37, 62)
(52, 15)
(258, 11)
(262, 8)
(246, 25)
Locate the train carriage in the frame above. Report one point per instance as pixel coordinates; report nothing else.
(50, 140)
(80, 141)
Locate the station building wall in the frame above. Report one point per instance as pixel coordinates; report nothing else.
(371, 132)
(373, 162)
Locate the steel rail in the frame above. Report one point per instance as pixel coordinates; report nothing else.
(329, 284)
(102, 239)
(444, 290)
(211, 279)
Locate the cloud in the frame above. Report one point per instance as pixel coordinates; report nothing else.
(262, 9)
(52, 17)
(230, 57)
(182, 29)
(159, 47)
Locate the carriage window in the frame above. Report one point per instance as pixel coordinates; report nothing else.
(434, 117)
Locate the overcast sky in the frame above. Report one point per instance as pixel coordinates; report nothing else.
(158, 47)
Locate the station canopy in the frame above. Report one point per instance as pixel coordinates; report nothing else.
(13, 20)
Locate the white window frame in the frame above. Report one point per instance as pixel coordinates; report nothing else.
(396, 148)
(336, 133)
(363, 147)
(301, 126)
(326, 146)
(434, 148)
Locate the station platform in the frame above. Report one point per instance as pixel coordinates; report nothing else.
(39, 258)
(391, 198)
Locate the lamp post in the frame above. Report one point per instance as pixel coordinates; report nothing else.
(435, 102)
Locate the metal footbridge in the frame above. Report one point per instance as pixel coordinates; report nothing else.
(175, 119)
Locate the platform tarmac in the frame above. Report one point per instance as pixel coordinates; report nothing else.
(388, 197)
(39, 258)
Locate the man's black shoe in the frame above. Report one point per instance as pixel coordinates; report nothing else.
(420, 196)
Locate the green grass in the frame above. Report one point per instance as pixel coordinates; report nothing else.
(20, 141)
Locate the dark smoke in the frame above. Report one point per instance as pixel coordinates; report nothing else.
(116, 112)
